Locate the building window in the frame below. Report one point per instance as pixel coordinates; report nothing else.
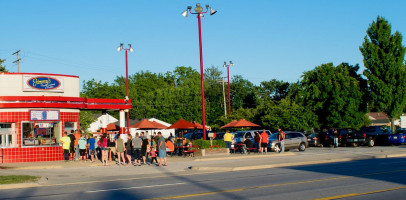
(7, 135)
(41, 133)
(69, 126)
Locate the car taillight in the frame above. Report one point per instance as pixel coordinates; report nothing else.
(365, 135)
(403, 136)
(346, 136)
(339, 137)
(326, 137)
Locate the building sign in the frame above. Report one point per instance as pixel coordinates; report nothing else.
(44, 115)
(42, 83)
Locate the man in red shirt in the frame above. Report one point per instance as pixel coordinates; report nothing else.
(264, 141)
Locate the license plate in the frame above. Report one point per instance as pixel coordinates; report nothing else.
(355, 140)
(309, 139)
(395, 137)
(349, 140)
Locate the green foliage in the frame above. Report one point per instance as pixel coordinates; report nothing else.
(384, 62)
(335, 95)
(2, 68)
(205, 144)
(86, 118)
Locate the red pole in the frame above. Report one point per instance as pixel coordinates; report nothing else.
(202, 77)
(228, 77)
(126, 84)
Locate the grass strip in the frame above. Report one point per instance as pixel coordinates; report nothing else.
(10, 179)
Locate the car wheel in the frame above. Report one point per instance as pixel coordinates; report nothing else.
(371, 142)
(276, 148)
(302, 147)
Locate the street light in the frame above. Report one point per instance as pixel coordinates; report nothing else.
(228, 77)
(199, 12)
(121, 47)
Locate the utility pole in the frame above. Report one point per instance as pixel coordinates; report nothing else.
(224, 96)
(18, 60)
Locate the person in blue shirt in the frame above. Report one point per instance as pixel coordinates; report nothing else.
(91, 143)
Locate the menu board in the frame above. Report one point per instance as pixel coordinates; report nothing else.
(44, 115)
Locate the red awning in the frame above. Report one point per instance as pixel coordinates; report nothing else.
(112, 127)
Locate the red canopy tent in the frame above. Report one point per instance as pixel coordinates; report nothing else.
(240, 124)
(145, 124)
(183, 124)
(158, 125)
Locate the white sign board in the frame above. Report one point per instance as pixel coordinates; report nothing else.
(402, 121)
(45, 83)
(44, 115)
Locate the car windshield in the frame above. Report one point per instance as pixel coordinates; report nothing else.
(400, 131)
(368, 129)
(312, 135)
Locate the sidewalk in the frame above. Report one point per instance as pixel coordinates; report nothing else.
(79, 172)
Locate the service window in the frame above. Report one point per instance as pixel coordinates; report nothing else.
(41, 133)
(7, 135)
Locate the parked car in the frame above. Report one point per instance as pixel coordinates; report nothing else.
(375, 135)
(314, 140)
(249, 134)
(293, 140)
(356, 138)
(398, 137)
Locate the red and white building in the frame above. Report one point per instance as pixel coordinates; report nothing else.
(35, 110)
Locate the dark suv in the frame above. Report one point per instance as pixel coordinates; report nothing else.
(375, 135)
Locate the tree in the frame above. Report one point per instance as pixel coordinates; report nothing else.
(335, 95)
(2, 68)
(384, 55)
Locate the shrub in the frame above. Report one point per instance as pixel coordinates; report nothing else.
(205, 144)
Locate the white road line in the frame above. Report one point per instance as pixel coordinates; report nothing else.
(129, 188)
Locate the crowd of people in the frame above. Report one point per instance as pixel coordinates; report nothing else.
(135, 151)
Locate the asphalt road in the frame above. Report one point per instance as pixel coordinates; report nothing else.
(366, 179)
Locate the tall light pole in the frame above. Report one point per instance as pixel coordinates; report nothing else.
(199, 12)
(228, 80)
(121, 47)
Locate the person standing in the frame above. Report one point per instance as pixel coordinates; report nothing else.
(82, 147)
(72, 145)
(120, 149)
(129, 149)
(152, 154)
(103, 146)
(144, 148)
(77, 152)
(228, 138)
(264, 141)
(137, 144)
(66, 145)
(257, 140)
(162, 149)
(281, 138)
(91, 143)
(335, 134)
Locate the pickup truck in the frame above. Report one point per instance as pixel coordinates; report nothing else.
(370, 135)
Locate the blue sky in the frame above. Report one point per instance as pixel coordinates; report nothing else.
(266, 39)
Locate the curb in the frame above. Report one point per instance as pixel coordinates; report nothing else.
(255, 167)
(245, 157)
(19, 186)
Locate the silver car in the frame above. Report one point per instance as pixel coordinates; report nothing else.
(293, 140)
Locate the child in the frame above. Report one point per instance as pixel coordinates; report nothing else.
(82, 147)
(152, 153)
